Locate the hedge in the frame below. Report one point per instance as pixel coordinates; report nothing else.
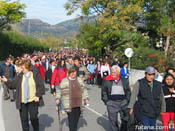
(16, 44)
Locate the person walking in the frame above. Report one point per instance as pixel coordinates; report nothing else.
(125, 72)
(40, 68)
(60, 72)
(82, 71)
(18, 68)
(74, 96)
(116, 95)
(91, 69)
(7, 70)
(70, 62)
(171, 71)
(98, 73)
(29, 91)
(150, 98)
(46, 65)
(105, 69)
(158, 76)
(116, 62)
(49, 76)
(168, 117)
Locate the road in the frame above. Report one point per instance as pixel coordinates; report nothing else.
(94, 117)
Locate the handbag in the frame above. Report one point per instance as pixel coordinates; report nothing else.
(59, 77)
(106, 73)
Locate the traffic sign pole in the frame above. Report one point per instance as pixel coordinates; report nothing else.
(129, 66)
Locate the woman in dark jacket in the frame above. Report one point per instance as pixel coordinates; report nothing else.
(98, 72)
(168, 117)
(49, 76)
(29, 90)
(40, 68)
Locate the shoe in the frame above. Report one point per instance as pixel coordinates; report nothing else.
(51, 94)
(63, 112)
(12, 100)
(54, 94)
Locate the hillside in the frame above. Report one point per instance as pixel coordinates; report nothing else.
(37, 28)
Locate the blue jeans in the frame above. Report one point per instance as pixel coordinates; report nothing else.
(61, 103)
(149, 123)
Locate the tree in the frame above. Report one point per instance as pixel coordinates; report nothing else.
(52, 42)
(10, 13)
(160, 18)
(120, 14)
(92, 39)
(112, 18)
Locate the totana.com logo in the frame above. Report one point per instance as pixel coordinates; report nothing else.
(171, 125)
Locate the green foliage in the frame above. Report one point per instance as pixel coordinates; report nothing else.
(52, 42)
(129, 40)
(160, 15)
(145, 56)
(114, 20)
(16, 44)
(116, 28)
(160, 18)
(116, 41)
(10, 12)
(91, 39)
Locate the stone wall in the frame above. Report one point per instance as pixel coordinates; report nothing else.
(136, 75)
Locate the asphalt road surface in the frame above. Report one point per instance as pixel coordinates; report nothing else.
(94, 117)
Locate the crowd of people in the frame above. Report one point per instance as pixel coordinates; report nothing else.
(69, 71)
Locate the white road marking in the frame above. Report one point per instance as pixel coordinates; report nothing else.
(96, 112)
(2, 128)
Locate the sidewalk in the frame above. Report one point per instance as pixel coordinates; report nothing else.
(1, 118)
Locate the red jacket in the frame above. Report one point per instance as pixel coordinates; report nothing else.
(110, 77)
(58, 76)
(41, 70)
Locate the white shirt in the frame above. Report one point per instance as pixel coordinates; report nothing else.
(105, 68)
(53, 67)
(47, 65)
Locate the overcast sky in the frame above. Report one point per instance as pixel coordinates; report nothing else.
(50, 11)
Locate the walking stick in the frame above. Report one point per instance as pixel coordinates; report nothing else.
(59, 119)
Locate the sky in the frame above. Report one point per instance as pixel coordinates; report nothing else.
(50, 11)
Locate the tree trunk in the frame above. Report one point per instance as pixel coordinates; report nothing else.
(167, 44)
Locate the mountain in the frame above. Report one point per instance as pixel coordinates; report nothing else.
(37, 28)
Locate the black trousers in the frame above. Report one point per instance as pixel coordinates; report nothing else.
(52, 90)
(46, 77)
(32, 110)
(73, 118)
(92, 79)
(99, 80)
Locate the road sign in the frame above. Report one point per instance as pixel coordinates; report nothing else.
(129, 52)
